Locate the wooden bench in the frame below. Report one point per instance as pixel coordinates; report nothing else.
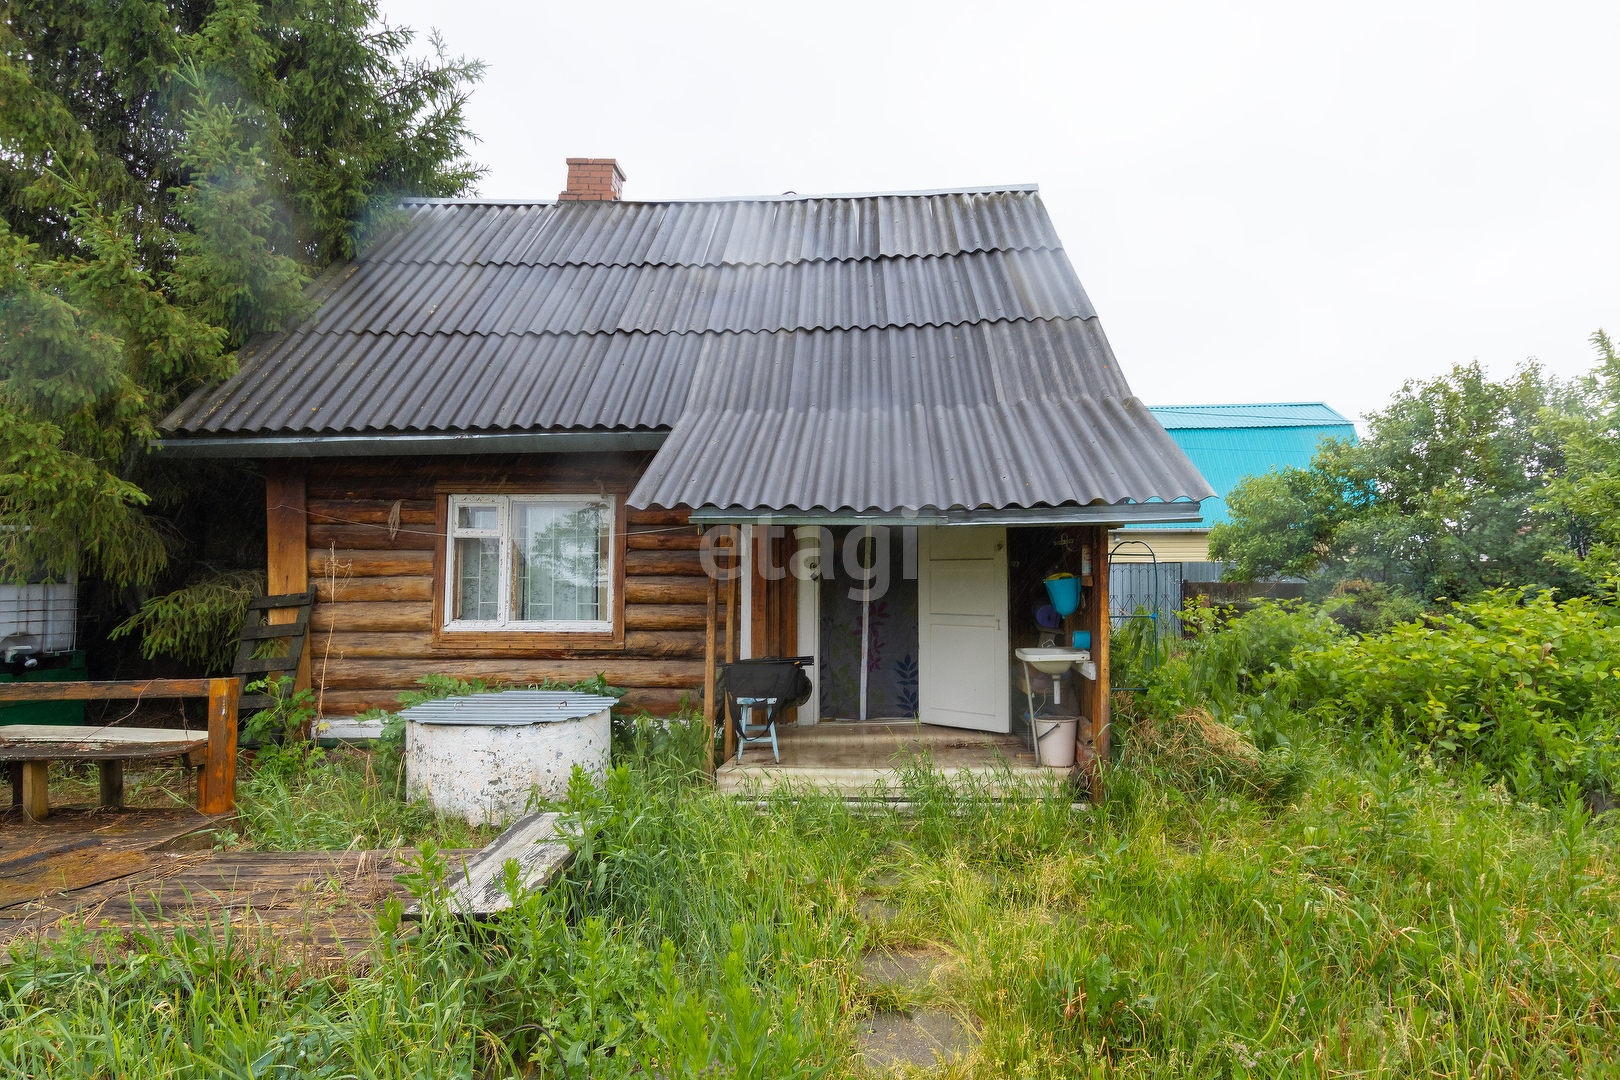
(32, 747)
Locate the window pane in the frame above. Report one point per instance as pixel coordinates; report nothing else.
(478, 576)
(562, 562)
(475, 517)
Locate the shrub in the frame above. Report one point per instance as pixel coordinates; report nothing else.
(1371, 607)
(1527, 686)
(284, 728)
(1227, 658)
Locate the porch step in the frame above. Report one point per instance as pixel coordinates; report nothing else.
(874, 735)
(749, 779)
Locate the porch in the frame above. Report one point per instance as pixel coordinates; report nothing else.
(909, 638)
(856, 758)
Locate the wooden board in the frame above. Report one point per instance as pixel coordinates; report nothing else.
(663, 673)
(352, 589)
(156, 871)
(314, 907)
(51, 742)
(418, 645)
(370, 617)
(542, 854)
(663, 538)
(103, 691)
(369, 563)
(371, 511)
(74, 849)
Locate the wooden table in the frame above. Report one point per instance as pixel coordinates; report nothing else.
(34, 746)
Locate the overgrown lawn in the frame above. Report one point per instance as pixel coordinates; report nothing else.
(1394, 917)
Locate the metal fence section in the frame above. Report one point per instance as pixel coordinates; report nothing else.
(1151, 587)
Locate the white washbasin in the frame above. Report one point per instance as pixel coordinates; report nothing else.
(1053, 661)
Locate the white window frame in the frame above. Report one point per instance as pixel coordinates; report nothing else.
(503, 533)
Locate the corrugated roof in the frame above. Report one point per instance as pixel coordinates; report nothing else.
(865, 352)
(349, 383)
(510, 298)
(508, 708)
(995, 414)
(1229, 443)
(731, 233)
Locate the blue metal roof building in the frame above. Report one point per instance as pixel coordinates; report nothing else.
(1230, 442)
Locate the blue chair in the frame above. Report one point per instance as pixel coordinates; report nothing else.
(745, 712)
(774, 684)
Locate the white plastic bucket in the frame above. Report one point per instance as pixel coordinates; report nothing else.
(1057, 741)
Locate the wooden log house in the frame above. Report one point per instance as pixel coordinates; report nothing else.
(492, 450)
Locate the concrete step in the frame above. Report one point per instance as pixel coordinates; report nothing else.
(748, 778)
(886, 735)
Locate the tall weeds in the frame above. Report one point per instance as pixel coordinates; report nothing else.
(1397, 916)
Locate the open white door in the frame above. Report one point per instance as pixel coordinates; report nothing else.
(962, 624)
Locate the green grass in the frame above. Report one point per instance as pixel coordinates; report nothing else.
(1384, 917)
(349, 799)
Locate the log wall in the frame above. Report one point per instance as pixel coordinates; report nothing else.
(372, 625)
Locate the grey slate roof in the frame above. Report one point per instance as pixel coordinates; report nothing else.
(844, 352)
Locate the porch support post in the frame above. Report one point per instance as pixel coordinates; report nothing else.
(112, 784)
(286, 530)
(1096, 621)
(708, 675)
(733, 630)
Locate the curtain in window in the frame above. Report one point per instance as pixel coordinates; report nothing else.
(478, 575)
(561, 571)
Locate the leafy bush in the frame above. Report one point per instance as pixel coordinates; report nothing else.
(1228, 659)
(1207, 719)
(1527, 686)
(1371, 607)
(285, 727)
(436, 686)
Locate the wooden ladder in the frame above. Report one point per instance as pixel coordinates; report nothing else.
(258, 628)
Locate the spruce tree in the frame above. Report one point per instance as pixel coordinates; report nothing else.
(172, 173)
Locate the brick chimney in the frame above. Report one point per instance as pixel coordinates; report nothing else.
(593, 179)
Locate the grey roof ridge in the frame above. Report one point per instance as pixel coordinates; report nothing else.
(366, 260)
(681, 333)
(981, 189)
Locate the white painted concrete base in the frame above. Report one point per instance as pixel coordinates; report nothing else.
(487, 772)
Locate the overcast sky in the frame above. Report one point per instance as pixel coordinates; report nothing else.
(1265, 201)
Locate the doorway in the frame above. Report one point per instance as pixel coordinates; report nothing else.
(869, 664)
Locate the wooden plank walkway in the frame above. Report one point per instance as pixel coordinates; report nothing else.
(156, 872)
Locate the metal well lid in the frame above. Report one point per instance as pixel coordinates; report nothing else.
(508, 707)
